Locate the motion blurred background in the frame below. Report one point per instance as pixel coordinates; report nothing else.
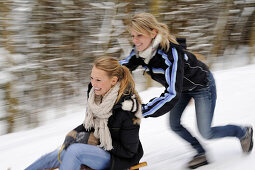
(47, 47)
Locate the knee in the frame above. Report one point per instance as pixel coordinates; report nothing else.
(72, 149)
(207, 134)
(175, 127)
(174, 123)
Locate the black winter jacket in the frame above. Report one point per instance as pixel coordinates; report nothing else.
(177, 70)
(127, 149)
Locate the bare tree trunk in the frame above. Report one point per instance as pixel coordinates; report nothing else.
(252, 42)
(11, 107)
(10, 99)
(219, 32)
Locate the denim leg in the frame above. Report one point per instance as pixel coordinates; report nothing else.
(175, 123)
(89, 155)
(47, 161)
(205, 100)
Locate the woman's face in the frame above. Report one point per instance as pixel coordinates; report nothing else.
(101, 82)
(141, 41)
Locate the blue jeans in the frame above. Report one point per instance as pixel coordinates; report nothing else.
(205, 99)
(73, 157)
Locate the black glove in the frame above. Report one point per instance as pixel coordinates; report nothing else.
(70, 139)
(74, 137)
(143, 105)
(82, 137)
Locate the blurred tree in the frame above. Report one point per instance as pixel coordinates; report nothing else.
(252, 41)
(57, 47)
(61, 39)
(9, 93)
(219, 31)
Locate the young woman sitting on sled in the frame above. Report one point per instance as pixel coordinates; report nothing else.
(109, 136)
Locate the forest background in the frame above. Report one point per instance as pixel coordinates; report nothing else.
(47, 47)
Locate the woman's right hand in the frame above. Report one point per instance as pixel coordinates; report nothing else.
(69, 139)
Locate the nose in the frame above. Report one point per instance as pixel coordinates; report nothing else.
(92, 82)
(135, 39)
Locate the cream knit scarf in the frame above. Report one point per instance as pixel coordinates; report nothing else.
(97, 115)
(148, 53)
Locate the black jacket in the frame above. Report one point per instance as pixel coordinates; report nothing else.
(127, 149)
(177, 70)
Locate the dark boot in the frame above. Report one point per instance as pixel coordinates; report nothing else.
(197, 161)
(247, 141)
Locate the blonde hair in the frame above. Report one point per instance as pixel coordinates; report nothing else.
(145, 23)
(113, 68)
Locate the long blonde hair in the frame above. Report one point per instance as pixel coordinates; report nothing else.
(113, 68)
(145, 23)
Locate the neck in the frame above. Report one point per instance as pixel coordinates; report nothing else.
(150, 51)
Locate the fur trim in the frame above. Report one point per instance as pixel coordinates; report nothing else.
(139, 114)
(127, 105)
(148, 53)
(72, 133)
(132, 105)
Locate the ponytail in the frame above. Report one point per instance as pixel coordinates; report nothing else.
(127, 85)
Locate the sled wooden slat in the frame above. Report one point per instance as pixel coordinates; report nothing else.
(142, 164)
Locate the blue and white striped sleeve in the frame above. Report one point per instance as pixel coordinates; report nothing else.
(167, 100)
(130, 61)
(127, 59)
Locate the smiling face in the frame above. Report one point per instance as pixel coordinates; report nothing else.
(101, 82)
(141, 41)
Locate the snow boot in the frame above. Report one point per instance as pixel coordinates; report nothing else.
(247, 141)
(197, 161)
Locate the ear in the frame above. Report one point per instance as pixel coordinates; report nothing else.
(154, 34)
(114, 80)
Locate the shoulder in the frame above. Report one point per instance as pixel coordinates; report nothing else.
(129, 103)
(176, 51)
(178, 47)
(130, 107)
(133, 53)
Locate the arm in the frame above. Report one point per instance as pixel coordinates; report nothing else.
(132, 61)
(72, 136)
(174, 81)
(125, 134)
(80, 128)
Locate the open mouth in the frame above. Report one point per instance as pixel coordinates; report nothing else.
(138, 45)
(97, 89)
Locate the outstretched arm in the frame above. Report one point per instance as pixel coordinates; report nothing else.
(174, 81)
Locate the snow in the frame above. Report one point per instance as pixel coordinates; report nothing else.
(163, 149)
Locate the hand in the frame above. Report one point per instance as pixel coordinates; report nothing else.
(70, 139)
(143, 105)
(82, 137)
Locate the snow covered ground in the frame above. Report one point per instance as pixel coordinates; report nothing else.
(163, 149)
